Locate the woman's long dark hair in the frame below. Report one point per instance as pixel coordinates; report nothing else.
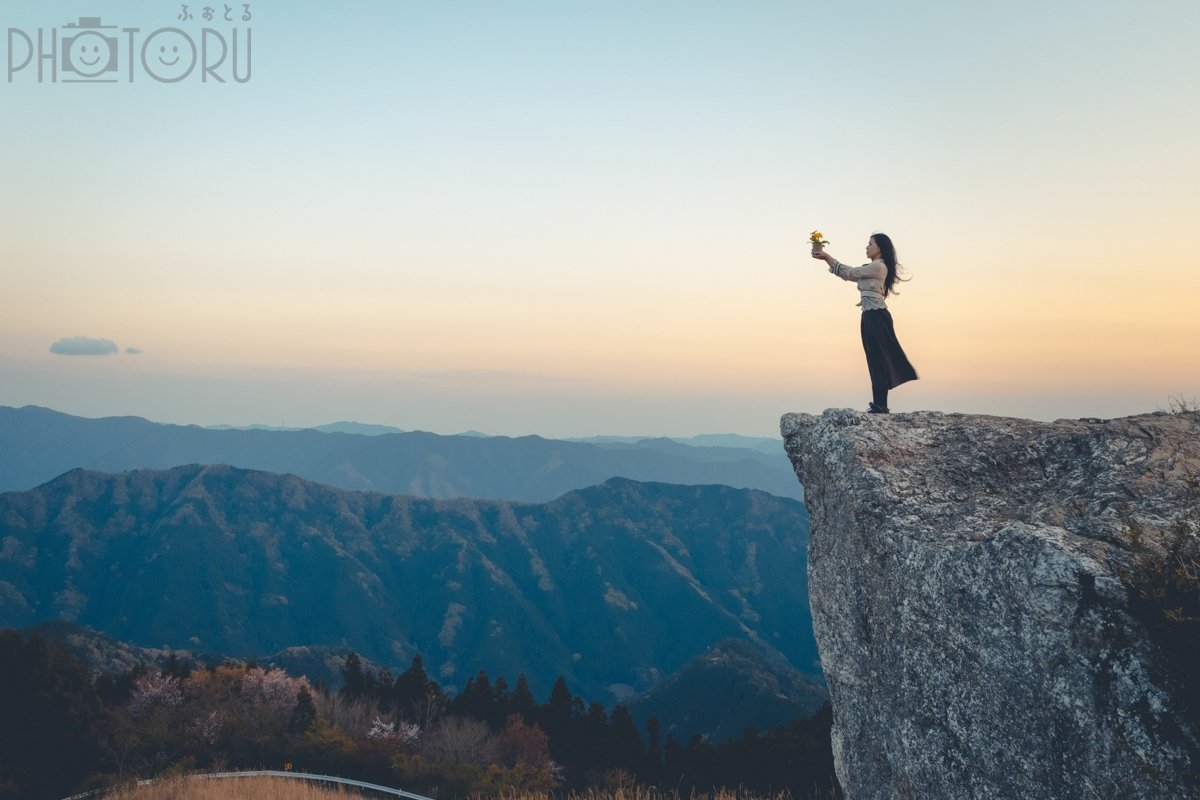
(887, 253)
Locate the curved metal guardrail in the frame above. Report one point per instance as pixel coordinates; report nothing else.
(307, 776)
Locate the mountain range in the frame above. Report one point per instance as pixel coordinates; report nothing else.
(39, 444)
(759, 443)
(615, 586)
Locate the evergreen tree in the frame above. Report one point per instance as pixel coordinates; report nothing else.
(501, 704)
(52, 724)
(674, 770)
(650, 770)
(699, 758)
(521, 700)
(414, 696)
(592, 750)
(384, 684)
(627, 749)
(358, 683)
(555, 717)
(114, 691)
(304, 714)
(477, 700)
(176, 667)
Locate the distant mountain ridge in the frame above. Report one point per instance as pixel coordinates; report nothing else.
(729, 688)
(756, 443)
(341, 426)
(106, 655)
(614, 586)
(40, 444)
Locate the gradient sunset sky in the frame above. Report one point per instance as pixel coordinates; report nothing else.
(576, 218)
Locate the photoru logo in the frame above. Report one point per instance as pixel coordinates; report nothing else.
(89, 51)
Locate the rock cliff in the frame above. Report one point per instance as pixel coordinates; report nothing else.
(969, 582)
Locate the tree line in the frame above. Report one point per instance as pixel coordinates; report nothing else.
(63, 730)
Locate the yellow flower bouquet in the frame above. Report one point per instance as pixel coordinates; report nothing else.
(818, 240)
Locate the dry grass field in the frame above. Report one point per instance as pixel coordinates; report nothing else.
(249, 788)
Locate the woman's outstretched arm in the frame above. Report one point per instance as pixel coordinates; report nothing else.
(876, 269)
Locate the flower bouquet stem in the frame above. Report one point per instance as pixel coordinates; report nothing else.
(818, 241)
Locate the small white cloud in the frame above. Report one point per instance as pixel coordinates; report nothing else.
(83, 346)
(133, 351)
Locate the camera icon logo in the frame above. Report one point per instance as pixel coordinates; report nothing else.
(90, 52)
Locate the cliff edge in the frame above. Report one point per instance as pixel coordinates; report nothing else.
(969, 580)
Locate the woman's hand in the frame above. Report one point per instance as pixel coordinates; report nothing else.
(819, 253)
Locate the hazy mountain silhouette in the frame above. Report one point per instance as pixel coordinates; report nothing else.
(365, 429)
(614, 586)
(39, 444)
(757, 443)
(342, 426)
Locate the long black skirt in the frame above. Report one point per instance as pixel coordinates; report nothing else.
(886, 361)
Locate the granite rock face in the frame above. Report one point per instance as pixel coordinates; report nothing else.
(965, 579)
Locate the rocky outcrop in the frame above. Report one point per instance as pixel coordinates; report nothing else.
(968, 582)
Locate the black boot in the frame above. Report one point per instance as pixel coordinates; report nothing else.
(879, 395)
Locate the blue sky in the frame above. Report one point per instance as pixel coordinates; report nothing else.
(580, 218)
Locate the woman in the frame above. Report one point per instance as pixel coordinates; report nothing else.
(886, 361)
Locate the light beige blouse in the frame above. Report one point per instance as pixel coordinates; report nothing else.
(870, 278)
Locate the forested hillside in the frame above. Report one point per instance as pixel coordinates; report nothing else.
(614, 587)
